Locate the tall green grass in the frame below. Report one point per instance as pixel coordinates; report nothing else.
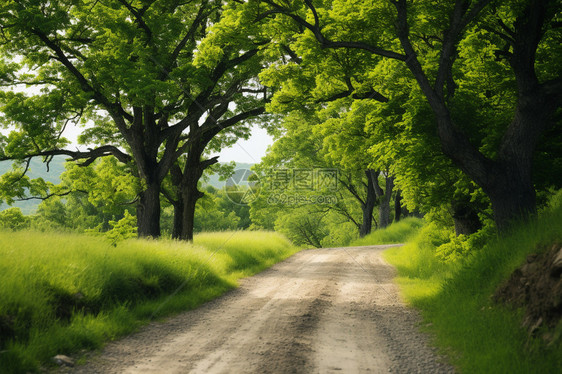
(398, 232)
(478, 335)
(63, 293)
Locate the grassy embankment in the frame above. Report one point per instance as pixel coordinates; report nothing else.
(478, 335)
(399, 232)
(64, 293)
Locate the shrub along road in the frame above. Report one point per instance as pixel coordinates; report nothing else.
(328, 310)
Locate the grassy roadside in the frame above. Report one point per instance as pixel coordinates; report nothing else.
(64, 293)
(454, 297)
(398, 232)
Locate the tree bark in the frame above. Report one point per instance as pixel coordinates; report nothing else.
(148, 211)
(513, 195)
(397, 206)
(177, 227)
(176, 199)
(384, 198)
(190, 197)
(384, 207)
(368, 206)
(190, 194)
(465, 218)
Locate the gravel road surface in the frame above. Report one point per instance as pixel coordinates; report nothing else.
(321, 311)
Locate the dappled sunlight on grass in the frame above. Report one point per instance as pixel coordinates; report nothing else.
(65, 292)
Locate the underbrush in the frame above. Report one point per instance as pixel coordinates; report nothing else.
(452, 282)
(398, 232)
(64, 293)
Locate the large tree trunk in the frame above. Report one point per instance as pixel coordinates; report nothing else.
(512, 195)
(190, 197)
(148, 211)
(177, 200)
(143, 139)
(465, 218)
(369, 205)
(178, 219)
(507, 178)
(192, 173)
(384, 207)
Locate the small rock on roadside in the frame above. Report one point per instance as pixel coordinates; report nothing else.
(63, 360)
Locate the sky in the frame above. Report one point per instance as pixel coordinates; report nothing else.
(244, 151)
(248, 151)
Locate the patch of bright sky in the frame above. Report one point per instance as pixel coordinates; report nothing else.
(248, 151)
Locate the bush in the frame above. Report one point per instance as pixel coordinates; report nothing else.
(13, 219)
(452, 282)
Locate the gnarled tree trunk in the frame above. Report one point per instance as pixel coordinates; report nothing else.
(507, 178)
(368, 205)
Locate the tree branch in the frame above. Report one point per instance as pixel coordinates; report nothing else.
(90, 156)
(48, 196)
(138, 19)
(325, 42)
(115, 110)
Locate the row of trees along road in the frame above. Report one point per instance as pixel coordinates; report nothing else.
(486, 75)
(455, 102)
(157, 91)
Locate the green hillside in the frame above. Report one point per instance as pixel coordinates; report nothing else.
(214, 179)
(38, 169)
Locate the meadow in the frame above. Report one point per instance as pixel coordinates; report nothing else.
(399, 232)
(454, 294)
(64, 293)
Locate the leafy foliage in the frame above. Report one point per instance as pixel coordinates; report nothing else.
(13, 219)
(123, 229)
(454, 294)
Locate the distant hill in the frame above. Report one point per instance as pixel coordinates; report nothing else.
(214, 179)
(37, 169)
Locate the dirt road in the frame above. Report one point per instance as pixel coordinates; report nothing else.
(321, 311)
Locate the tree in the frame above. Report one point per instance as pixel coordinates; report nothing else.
(88, 197)
(303, 227)
(524, 35)
(134, 68)
(13, 219)
(302, 150)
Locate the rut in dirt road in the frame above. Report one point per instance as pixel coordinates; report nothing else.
(321, 311)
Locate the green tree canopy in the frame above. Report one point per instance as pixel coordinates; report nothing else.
(140, 71)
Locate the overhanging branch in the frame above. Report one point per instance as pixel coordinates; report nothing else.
(89, 156)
